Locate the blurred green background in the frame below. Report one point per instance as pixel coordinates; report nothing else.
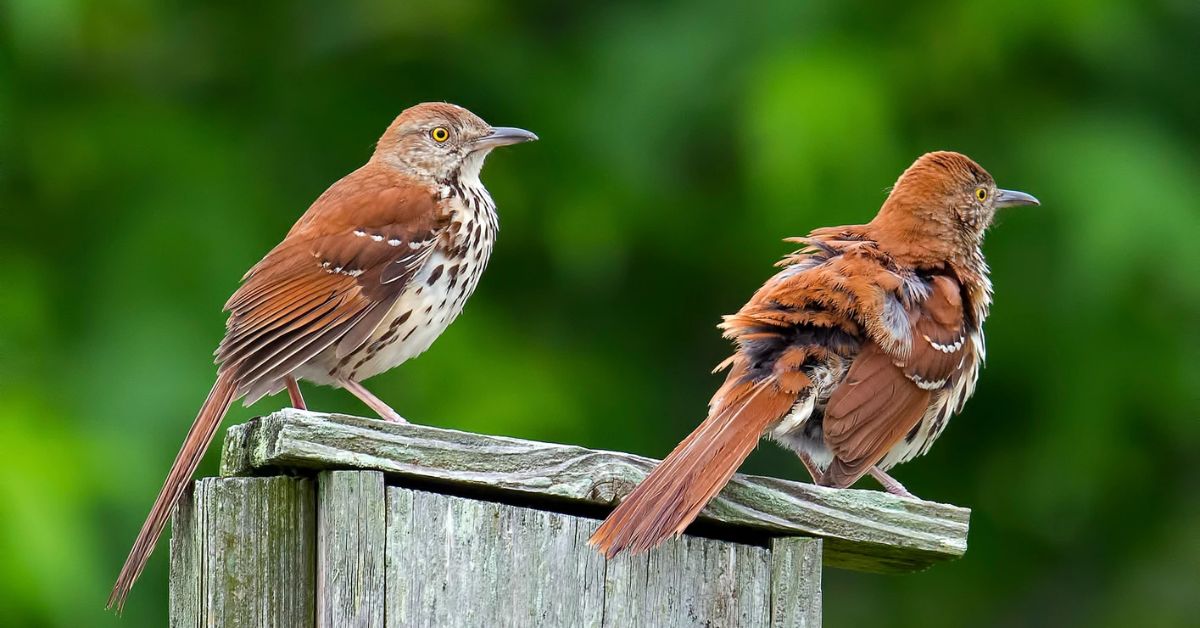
(151, 152)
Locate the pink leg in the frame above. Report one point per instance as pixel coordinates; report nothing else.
(890, 484)
(375, 403)
(293, 388)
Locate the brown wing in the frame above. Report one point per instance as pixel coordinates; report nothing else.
(885, 393)
(826, 308)
(331, 280)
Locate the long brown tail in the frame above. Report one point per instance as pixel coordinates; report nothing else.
(194, 446)
(671, 497)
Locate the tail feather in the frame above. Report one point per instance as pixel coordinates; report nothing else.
(673, 495)
(198, 439)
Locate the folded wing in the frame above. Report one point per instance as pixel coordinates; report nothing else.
(330, 287)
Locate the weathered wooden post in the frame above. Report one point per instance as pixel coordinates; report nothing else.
(329, 520)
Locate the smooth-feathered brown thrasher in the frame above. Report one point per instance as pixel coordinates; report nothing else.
(369, 277)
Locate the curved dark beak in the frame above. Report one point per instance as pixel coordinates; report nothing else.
(503, 136)
(1012, 198)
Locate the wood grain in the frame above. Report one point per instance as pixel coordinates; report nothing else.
(796, 582)
(350, 549)
(243, 554)
(184, 579)
(690, 581)
(461, 562)
(862, 530)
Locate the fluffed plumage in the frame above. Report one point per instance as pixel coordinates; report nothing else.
(854, 355)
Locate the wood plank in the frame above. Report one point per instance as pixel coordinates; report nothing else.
(253, 553)
(455, 561)
(184, 579)
(350, 549)
(460, 562)
(863, 530)
(689, 581)
(795, 582)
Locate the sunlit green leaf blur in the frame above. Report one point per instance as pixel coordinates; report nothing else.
(150, 152)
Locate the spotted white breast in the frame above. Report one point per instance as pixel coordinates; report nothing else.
(434, 296)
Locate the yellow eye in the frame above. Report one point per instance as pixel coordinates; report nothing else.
(440, 134)
(981, 194)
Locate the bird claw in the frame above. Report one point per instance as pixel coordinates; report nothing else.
(392, 416)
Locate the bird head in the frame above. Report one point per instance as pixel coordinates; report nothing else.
(443, 142)
(942, 205)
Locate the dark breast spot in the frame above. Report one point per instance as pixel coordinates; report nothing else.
(400, 319)
(437, 272)
(383, 341)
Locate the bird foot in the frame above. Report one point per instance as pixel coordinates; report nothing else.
(388, 414)
(890, 484)
(384, 411)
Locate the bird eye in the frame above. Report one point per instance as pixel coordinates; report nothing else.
(440, 134)
(981, 194)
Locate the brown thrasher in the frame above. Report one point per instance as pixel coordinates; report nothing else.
(854, 355)
(369, 277)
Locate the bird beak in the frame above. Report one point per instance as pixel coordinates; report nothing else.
(1012, 198)
(503, 136)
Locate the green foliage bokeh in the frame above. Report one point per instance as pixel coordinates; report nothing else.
(151, 152)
